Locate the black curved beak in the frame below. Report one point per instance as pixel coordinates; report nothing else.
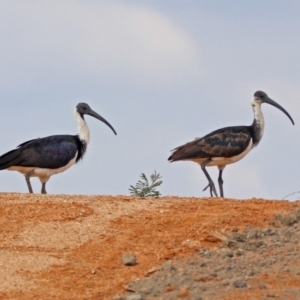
(272, 102)
(95, 115)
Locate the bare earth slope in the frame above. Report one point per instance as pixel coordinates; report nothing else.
(70, 247)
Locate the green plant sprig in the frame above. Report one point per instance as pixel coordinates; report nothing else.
(144, 189)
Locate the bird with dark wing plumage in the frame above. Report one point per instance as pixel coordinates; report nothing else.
(44, 157)
(226, 145)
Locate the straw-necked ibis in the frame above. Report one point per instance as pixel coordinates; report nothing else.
(44, 157)
(226, 145)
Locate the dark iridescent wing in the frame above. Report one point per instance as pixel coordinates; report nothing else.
(225, 142)
(50, 152)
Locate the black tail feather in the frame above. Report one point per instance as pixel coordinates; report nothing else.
(11, 158)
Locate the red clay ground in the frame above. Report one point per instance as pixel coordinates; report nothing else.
(70, 247)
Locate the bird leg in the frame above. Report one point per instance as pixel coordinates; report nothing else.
(209, 190)
(44, 188)
(27, 177)
(211, 184)
(220, 180)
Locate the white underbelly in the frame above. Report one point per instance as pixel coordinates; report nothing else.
(43, 172)
(223, 161)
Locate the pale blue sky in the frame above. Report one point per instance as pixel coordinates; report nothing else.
(162, 73)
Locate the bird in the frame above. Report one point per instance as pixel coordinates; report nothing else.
(44, 157)
(226, 145)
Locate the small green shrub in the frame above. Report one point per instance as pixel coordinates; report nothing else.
(144, 189)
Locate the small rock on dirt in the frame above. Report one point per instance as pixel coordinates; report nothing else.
(133, 297)
(240, 283)
(226, 252)
(183, 292)
(262, 286)
(129, 260)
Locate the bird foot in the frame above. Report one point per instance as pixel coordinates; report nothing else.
(212, 189)
(206, 188)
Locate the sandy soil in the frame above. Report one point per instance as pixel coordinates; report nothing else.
(70, 247)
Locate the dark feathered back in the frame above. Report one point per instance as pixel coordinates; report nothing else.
(224, 142)
(50, 152)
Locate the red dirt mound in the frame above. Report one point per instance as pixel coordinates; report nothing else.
(70, 247)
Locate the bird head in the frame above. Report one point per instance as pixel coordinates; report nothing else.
(85, 109)
(260, 97)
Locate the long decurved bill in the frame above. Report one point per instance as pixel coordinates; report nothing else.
(95, 115)
(272, 102)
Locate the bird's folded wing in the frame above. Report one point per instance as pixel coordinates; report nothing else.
(225, 142)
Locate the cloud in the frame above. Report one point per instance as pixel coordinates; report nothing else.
(91, 40)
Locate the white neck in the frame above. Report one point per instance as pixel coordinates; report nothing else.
(83, 130)
(258, 119)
